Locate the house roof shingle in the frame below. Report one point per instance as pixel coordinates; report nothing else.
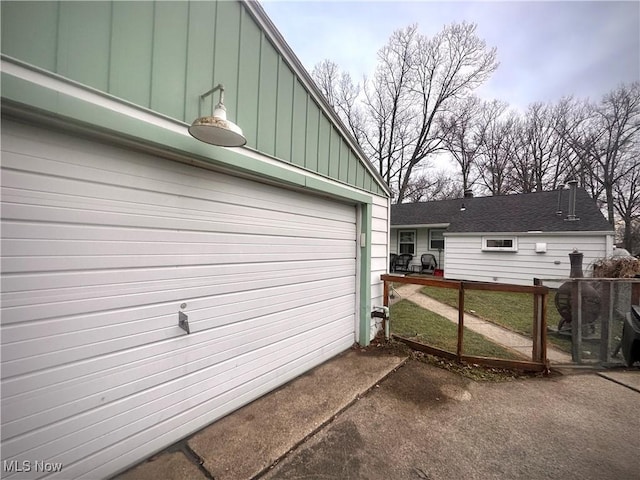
(506, 213)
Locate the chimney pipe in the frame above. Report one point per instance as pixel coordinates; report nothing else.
(468, 193)
(573, 190)
(559, 209)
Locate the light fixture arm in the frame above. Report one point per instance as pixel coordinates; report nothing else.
(206, 94)
(215, 129)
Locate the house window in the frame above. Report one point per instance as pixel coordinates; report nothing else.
(500, 244)
(407, 242)
(436, 239)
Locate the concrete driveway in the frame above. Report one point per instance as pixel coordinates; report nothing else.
(424, 422)
(378, 414)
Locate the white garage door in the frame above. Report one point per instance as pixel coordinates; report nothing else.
(103, 247)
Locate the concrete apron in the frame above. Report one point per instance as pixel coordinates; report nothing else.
(495, 333)
(253, 438)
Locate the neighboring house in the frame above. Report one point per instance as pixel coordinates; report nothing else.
(120, 231)
(506, 239)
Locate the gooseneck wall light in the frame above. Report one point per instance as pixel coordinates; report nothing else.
(216, 129)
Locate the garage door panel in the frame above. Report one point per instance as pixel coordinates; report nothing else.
(126, 417)
(56, 180)
(98, 233)
(158, 436)
(53, 157)
(29, 210)
(15, 362)
(155, 356)
(52, 350)
(117, 456)
(182, 345)
(154, 304)
(26, 411)
(238, 253)
(82, 210)
(102, 245)
(163, 290)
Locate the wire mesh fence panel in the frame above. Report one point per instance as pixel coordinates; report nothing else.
(496, 324)
(500, 324)
(591, 316)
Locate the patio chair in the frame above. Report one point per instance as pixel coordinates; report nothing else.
(392, 262)
(402, 262)
(429, 263)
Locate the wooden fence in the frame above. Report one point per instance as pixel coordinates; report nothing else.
(538, 360)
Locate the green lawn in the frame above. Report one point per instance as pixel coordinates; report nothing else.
(513, 311)
(409, 320)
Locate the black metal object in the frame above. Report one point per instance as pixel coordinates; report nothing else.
(567, 296)
(402, 262)
(631, 336)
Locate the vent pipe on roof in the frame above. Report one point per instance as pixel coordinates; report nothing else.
(468, 193)
(573, 190)
(559, 209)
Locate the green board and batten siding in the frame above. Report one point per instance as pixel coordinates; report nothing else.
(163, 55)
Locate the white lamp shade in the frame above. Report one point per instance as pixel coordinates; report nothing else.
(217, 130)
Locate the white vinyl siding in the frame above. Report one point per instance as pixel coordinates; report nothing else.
(101, 246)
(379, 250)
(466, 260)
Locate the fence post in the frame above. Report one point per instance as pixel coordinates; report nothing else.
(537, 320)
(635, 292)
(460, 319)
(387, 318)
(576, 323)
(543, 331)
(606, 315)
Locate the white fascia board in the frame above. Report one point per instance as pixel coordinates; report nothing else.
(422, 225)
(292, 60)
(534, 233)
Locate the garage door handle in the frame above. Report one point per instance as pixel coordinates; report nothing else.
(183, 322)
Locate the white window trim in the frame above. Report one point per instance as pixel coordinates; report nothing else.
(430, 235)
(415, 240)
(513, 248)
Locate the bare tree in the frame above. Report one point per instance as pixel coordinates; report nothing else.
(447, 66)
(605, 140)
(388, 106)
(438, 186)
(341, 94)
(463, 132)
(395, 117)
(497, 150)
(627, 203)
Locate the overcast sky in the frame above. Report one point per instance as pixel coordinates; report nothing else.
(546, 49)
